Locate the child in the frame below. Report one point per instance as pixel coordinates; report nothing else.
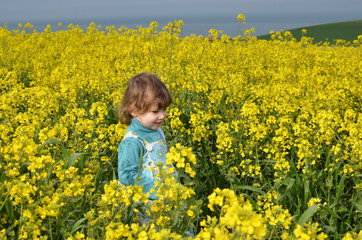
(143, 109)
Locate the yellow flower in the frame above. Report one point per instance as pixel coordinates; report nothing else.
(241, 17)
(314, 201)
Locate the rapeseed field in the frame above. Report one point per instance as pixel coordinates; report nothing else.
(266, 135)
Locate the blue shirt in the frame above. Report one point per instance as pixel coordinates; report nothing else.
(152, 145)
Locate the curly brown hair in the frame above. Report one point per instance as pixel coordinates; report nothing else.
(143, 90)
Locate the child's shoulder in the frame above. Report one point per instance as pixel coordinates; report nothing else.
(130, 141)
(131, 134)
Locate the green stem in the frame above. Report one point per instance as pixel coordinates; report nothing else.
(50, 229)
(272, 233)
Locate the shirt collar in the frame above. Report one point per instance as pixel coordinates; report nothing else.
(136, 124)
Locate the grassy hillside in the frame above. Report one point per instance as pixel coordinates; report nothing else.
(328, 32)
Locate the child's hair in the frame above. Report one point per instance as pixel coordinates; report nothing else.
(142, 91)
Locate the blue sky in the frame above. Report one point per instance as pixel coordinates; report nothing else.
(284, 12)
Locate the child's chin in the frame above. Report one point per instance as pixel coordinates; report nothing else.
(154, 127)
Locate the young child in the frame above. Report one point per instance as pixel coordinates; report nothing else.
(143, 109)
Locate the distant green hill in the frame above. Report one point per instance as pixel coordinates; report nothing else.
(327, 32)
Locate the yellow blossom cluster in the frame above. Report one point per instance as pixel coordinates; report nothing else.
(236, 215)
(309, 232)
(182, 157)
(355, 236)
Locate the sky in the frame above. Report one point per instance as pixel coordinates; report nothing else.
(198, 15)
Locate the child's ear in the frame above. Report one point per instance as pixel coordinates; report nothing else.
(132, 110)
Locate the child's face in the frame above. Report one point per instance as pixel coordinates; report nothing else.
(151, 118)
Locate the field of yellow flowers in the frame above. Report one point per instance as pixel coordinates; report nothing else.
(266, 135)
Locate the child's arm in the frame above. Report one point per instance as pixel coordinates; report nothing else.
(129, 152)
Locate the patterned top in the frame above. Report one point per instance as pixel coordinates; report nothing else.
(152, 144)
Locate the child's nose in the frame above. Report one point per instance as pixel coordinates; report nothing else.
(163, 114)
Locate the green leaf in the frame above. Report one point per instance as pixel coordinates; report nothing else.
(7, 232)
(6, 198)
(2, 177)
(65, 153)
(97, 179)
(10, 210)
(78, 225)
(290, 183)
(49, 173)
(306, 191)
(291, 199)
(334, 214)
(251, 188)
(49, 141)
(82, 162)
(3, 205)
(358, 204)
(306, 215)
(251, 200)
(340, 189)
(73, 158)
